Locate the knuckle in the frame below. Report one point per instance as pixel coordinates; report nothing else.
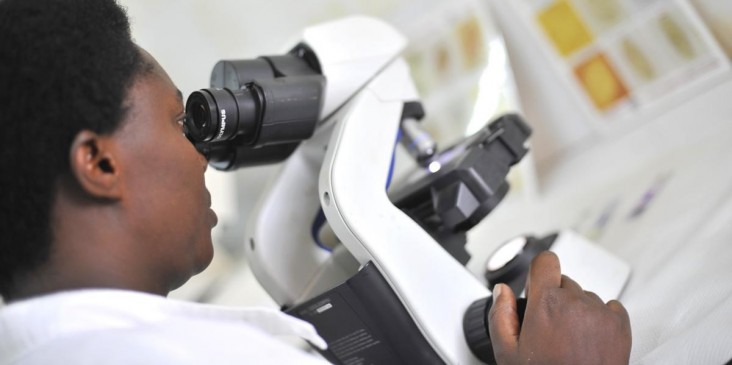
(551, 299)
(618, 308)
(592, 295)
(615, 318)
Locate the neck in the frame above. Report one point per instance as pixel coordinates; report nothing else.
(52, 278)
(93, 247)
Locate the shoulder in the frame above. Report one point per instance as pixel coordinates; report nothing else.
(104, 347)
(109, 327)
(175, 343)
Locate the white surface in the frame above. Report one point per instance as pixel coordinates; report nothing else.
(678, 248)
(590, 265)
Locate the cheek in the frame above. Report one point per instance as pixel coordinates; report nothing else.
(185, 189)
(173, 209)
(168, 188)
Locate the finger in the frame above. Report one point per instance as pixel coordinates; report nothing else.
(618, 308)
(545, 273)
(503, 323)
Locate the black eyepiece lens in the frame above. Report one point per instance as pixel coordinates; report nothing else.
(201, 111)
(200, 116)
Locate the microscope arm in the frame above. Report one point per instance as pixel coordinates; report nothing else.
(280, 248)
(433, 287)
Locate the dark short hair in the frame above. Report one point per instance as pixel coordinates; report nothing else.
(65, 66)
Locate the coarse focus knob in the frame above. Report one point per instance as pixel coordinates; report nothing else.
(475, 327)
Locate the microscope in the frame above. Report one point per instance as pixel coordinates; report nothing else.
(377, 269)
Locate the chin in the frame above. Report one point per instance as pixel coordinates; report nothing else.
(205, 256)
(198, 263)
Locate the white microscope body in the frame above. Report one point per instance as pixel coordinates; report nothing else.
(344, 168)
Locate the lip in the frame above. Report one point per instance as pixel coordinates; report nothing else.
(214, 217)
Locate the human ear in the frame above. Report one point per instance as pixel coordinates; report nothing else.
(94, 165)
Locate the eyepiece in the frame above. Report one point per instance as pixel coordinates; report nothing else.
(201, 116)
(257, 111)
(214, 115)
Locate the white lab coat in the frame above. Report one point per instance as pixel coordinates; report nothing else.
(124, 327)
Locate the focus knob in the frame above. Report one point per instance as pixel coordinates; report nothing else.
(475, 327)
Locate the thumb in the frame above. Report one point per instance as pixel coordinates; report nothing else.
(503, 323)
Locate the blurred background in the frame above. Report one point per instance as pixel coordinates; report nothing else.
(629, 101)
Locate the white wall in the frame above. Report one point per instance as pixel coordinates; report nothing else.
(565, 123)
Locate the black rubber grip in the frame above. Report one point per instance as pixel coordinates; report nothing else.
(475, 327)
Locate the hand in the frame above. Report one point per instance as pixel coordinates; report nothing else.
(563, 324)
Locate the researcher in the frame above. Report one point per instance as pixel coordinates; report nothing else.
(104, 210)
